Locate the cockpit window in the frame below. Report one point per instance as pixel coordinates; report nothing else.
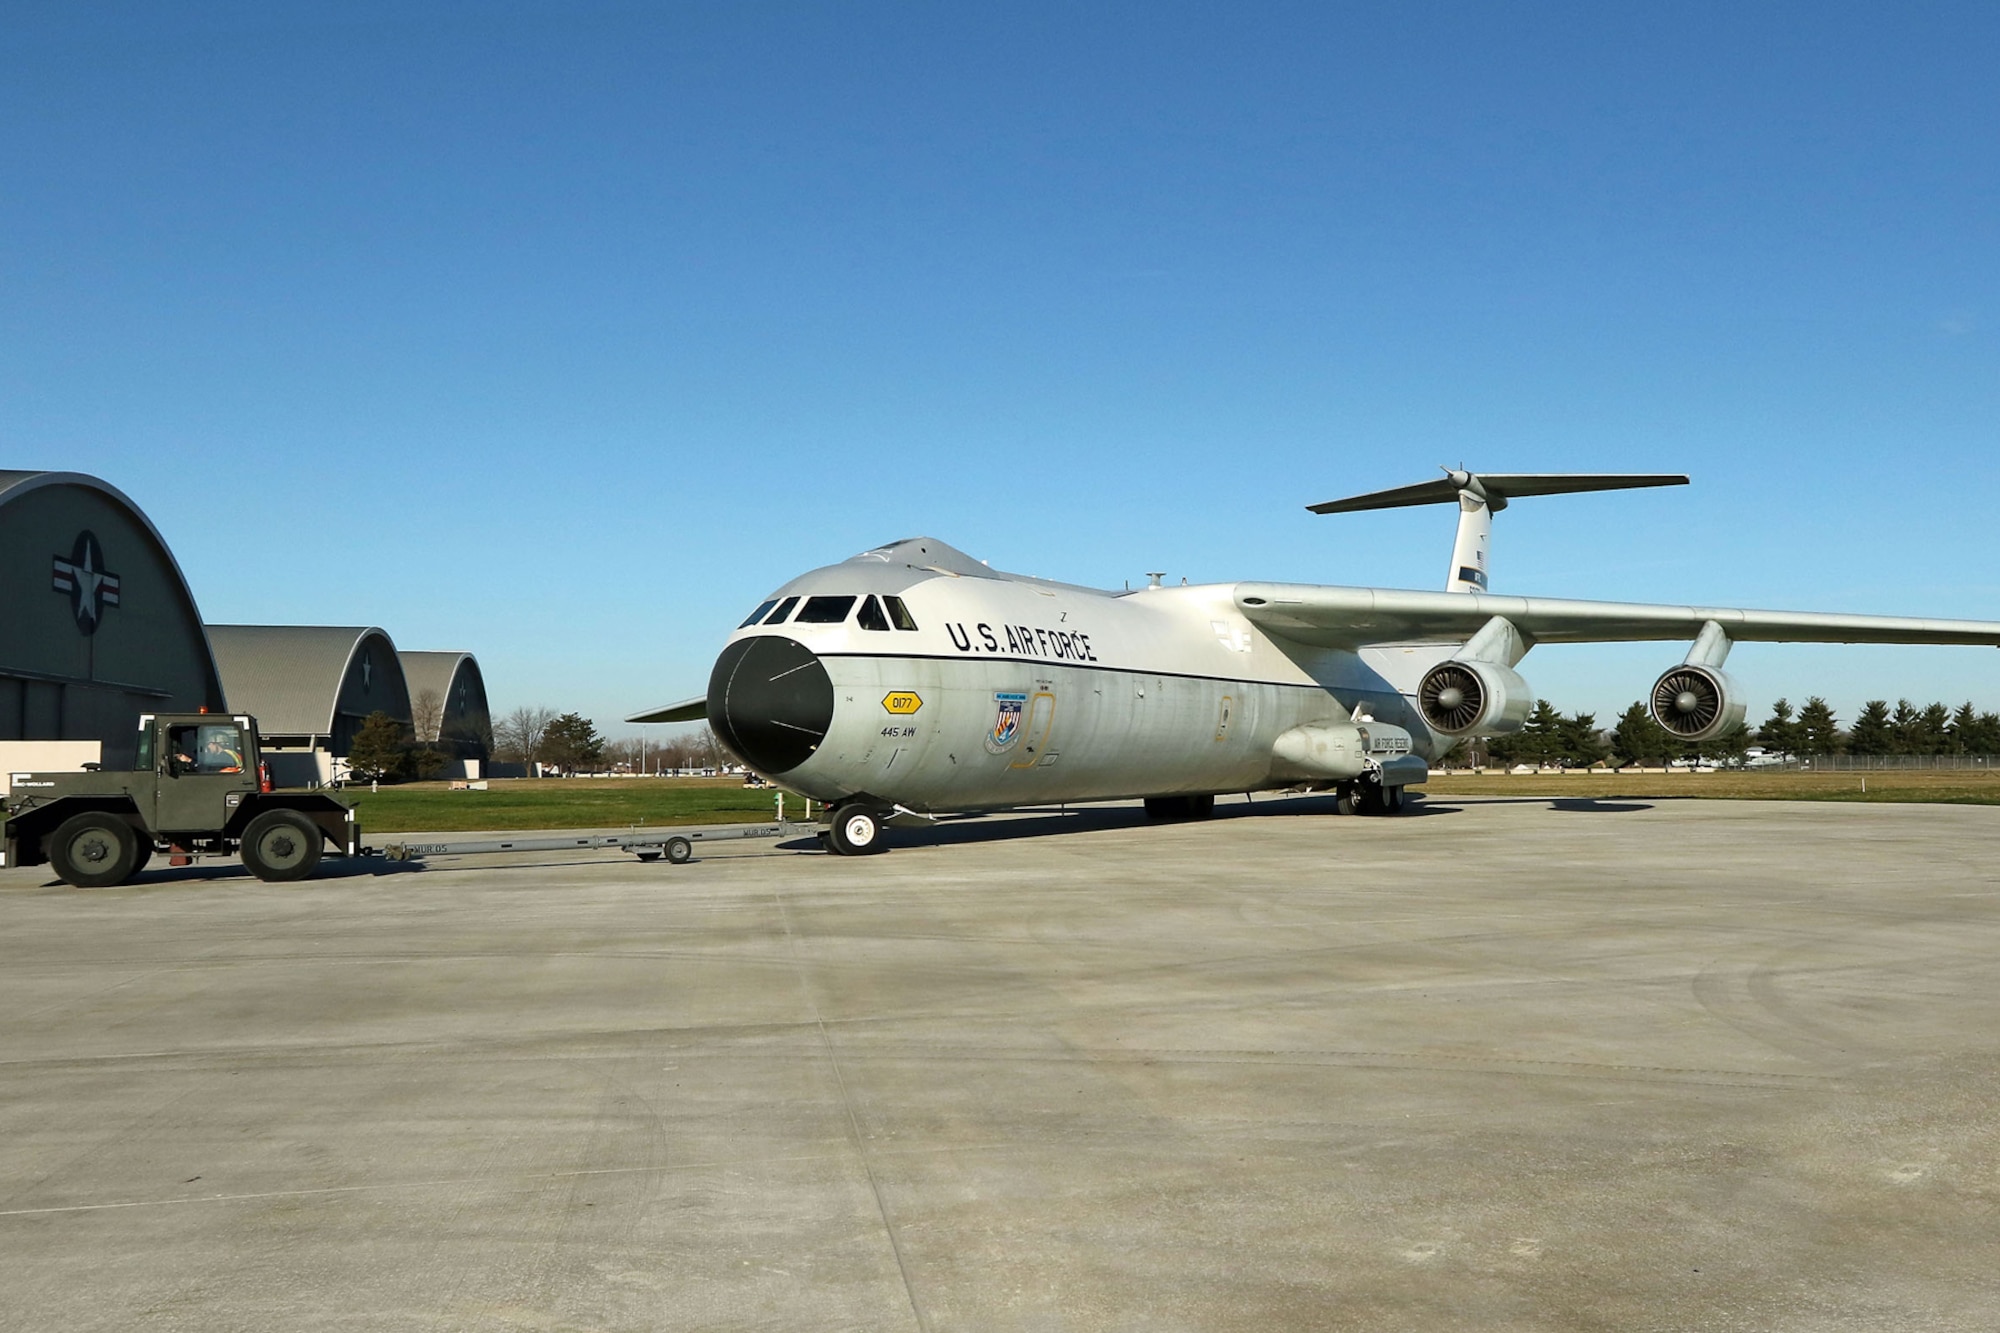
(871, 616)
(784, 609)
(758, 614)
(825, 610)
(898, 613)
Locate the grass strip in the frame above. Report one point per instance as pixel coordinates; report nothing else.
(1940, 786)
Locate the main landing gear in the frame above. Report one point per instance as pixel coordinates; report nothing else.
(1368, 798)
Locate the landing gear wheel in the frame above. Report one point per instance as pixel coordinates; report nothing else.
(679, 851)
(1359, 798)
(281, 846)
(93, 850)
(1392, 800)
(857, 831)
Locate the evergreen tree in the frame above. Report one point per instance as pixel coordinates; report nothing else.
(571, 743)
(1580, 745)
(1934, 729)
(1637, 739)
(377, 750)
(1783, 733)
(1905, 729)
(1964, 727)
(1872, 732)
(1819, 732)
(1728, 748)
(1539, 740)
(1981, 735)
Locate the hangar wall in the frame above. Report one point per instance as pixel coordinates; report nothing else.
(464, 725)
(97, 624)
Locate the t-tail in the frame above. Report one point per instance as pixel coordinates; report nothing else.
(1479, 496)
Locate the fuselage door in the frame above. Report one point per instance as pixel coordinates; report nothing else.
(1035, 734)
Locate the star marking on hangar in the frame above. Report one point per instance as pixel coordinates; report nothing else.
(91, 587)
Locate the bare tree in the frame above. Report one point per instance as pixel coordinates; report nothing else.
(518, 736)
(427, 715)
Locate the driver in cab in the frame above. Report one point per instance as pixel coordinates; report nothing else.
(216, 754)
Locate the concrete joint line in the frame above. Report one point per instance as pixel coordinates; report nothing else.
(853, 1120)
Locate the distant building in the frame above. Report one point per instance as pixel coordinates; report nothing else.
(97, 625)
(310, 687)
(462, 726)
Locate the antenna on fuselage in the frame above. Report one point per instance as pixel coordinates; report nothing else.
(1153, 577)
(1479, 496)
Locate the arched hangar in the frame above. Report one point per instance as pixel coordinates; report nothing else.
(97, 625)
(448, 703)
(310, 687)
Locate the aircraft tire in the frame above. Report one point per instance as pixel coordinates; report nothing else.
(857, 831)
(1392, 800)
(93, 850)
(281, 846)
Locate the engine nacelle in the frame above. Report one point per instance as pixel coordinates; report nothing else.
(1463, 698)
(1696, 703)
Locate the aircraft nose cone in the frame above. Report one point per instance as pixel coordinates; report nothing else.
(770, 701)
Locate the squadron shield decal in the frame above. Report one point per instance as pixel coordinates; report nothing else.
(1006, 728)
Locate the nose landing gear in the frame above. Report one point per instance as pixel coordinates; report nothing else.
(856, 831)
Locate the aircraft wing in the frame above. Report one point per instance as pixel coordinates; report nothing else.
(1355, 617)
(687, 710)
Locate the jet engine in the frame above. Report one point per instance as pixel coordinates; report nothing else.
(1464, 698)
(1696, 702)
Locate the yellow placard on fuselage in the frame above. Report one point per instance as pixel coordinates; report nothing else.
(902, 703)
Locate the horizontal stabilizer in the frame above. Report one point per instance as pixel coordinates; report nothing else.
(1498, 488)
(687, 710)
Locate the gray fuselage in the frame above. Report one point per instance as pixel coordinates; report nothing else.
(1013, 691)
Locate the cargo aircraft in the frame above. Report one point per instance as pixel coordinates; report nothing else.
(912, 680)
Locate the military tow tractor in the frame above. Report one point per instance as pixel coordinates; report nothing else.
(198, 787)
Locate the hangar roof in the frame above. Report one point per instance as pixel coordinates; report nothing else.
(455, 678)
(432, 671)
(97, 623)
(292, 676)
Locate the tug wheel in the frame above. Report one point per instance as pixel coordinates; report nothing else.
(94, 850)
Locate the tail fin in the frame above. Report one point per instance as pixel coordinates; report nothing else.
(1480, 496)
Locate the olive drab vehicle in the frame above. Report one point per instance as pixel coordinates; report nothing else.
(197, 787)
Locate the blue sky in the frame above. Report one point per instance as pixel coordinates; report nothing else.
(561, 333)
